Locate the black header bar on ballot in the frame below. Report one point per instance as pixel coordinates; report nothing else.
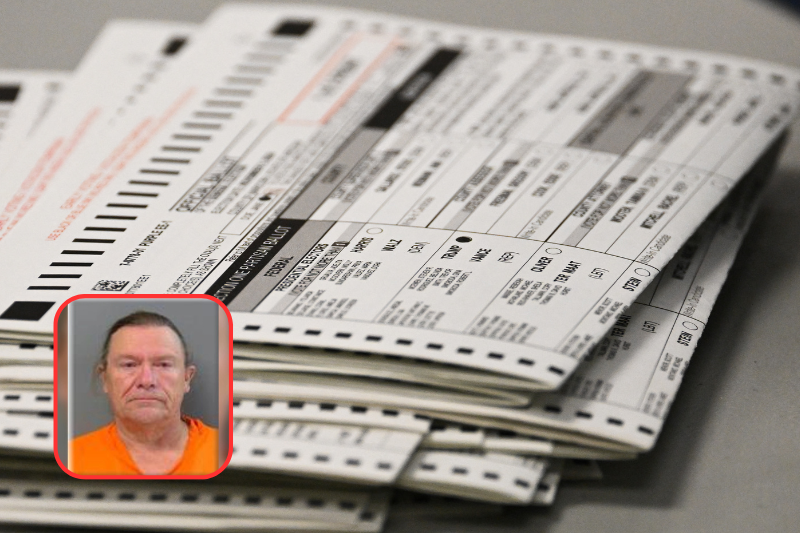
(408, 93)
(254, 258)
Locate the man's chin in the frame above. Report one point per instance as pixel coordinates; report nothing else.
(147, 413)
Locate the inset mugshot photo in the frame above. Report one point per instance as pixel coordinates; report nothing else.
(147, 387)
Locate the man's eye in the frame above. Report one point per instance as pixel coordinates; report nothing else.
(128, 365)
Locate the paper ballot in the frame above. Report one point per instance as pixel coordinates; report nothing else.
(476, 198)
(26, 97)
(133, 54)
(452, 255)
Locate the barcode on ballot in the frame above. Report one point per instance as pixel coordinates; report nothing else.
(109, 285)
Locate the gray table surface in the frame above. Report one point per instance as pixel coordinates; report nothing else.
(728, 459)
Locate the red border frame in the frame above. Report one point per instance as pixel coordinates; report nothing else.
(230, 385)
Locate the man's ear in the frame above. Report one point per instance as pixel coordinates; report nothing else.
(101, 373)
(188, 374)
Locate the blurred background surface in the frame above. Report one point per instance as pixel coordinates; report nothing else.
(728, 459)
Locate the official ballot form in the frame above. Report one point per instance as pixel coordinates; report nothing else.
(479, 198)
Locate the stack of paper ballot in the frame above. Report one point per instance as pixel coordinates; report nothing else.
(460, 262)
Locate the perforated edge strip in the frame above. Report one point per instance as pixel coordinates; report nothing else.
(330, 413)
(26, 352)
(362, 454)
(377, 361)
(442, 347)
(488, 477)
(18, 401)
(225, 506)
(26, 432)
(451, 435)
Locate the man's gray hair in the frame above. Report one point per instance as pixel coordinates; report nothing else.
(141, 318)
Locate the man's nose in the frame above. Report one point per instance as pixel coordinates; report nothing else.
(146, 377)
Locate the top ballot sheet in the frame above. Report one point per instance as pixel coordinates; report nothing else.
(340, 179)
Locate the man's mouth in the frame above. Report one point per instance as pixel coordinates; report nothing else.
(146, 399)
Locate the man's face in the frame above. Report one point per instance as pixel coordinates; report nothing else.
(145, 376)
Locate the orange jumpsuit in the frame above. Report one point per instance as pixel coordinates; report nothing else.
(103, 453)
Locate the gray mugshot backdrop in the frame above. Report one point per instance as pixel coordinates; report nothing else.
(89, 320)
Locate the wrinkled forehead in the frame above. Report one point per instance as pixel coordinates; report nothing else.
(145, 341)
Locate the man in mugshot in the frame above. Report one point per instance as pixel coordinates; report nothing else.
(145, 371)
